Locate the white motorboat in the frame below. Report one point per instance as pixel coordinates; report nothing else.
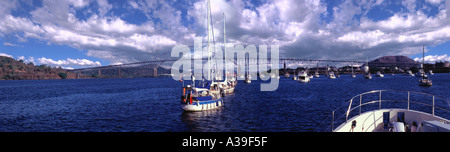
(408, 73)
(430, 72)
(303, 77)
(331, 75)
(379, 74)
(316, 74)
(417, 114)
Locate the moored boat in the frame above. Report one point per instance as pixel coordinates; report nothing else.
(303, 77)
(199, 99)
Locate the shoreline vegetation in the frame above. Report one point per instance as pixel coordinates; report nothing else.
(11, 69)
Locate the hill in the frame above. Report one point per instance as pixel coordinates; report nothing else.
(11, 69)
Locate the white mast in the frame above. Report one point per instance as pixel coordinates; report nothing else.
(208, 12)
(224, 48)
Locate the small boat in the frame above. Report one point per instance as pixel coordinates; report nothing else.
(353, 74)
(397, 115)
(303, 77)
(248, 79)
(425, 81)
(379, 74)
(408, 73)
(199, 99)
(420, 73)
(287, 75)
(316, 74)
(430, 72)
(331, 75)
(367, 75)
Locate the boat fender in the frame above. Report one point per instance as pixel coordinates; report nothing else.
(190, 98)
(183, 99)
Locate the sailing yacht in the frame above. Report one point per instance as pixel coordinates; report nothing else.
(228, 84)
(425, 81)
(366, 70)
(208, 96)
(248, 79)
(353, 74)
(200, 99)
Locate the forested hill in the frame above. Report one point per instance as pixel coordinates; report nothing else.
(11, 69)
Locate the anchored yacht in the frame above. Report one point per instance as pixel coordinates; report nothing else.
(379, 74)
(303, 77)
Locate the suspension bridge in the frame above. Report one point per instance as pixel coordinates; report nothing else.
(150, 68)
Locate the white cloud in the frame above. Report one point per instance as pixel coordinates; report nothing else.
(7, 55)
(434, 1)
(69, 62)
(297, 26)
(434, 58)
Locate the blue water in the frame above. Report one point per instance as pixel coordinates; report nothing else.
(152, 104)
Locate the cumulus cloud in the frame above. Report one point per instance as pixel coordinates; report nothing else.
(303, 29)
(69, 62)
(434, 58)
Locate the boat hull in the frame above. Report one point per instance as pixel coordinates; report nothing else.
(372, 121)
(303, 80)
(203, 105)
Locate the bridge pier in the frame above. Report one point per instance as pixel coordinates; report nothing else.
(120, 75)
(99, 73)
(155, 71)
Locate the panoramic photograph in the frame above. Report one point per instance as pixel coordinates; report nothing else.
(215, 66)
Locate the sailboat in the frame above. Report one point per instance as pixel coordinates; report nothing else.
(248, 78)
(331, 75)
(227, 85)
(316, 74)
(425, 81)
(353, 74)
(206, 97)
(366, 69)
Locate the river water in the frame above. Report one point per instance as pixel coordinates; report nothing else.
(152, 104)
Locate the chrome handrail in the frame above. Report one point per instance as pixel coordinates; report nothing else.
(379, 100)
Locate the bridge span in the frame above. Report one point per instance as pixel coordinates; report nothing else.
(150, 68)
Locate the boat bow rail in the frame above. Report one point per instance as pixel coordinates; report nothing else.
(386, 99)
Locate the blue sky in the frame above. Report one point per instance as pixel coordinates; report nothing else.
(86, 33)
